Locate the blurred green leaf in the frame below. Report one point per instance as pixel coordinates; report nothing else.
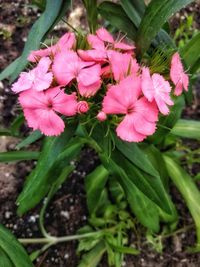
(38, 32)
(34, 136)
(55, 155)
(18, 155)
(133, 153)
(134, 10)
(5, 132)
(125, 250)
(188, 190)
(8, 71)
(187, 129)
(190, 52)
(91, 8)
(156, 14)
(92, 258)
(166, 123)
(144, 209)
(13, 249)
(5, 260)
(16, 124)
(94, 185)
(115, 14)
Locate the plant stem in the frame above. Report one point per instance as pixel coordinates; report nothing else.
(54, 240)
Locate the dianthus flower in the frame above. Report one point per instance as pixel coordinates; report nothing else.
(37, 79)
(158, 89)
(40, 109)
(178, 76)
(67, 41)
(140, 115)
(68, 66)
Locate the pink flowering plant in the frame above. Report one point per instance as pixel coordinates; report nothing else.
(121, 94)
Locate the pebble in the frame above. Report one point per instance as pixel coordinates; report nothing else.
(65, 214)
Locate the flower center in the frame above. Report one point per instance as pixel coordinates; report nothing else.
(130, 109)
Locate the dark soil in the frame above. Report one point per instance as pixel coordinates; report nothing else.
(67, 211)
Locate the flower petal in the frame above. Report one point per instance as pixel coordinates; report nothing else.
(50, 123)
(122, 97)
(33, 100)
(90, 75)
(65, 66)
(104, 35)
(143, 106)
(147, 84)
(127, 132)
(95, 42)
(90, 90)
(142, 125)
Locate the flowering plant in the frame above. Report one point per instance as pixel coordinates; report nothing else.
(123, 97)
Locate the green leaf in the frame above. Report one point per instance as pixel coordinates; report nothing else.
(188, 190)
(133, 153)
(190, 52)
(187, 129)
(125, 250)
(94, 185)
(115, 14)
(150, 186)
(133, 10)
(166, 123)
(39, 181)
(156, 14)
(92, 258)
(34, 136)
(116, 190)
(4, 260)
(144, 209)
(7, 72)
(13, 249)
(16, 124)
(5, 132)
(91, 8)
(31, 196)
(18, 155)
(38, 32)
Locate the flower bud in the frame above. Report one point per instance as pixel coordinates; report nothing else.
(82, 107)
(101, 116)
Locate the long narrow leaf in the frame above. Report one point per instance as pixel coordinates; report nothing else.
(18, 155)
(37, 33)
(34, 136)
(13, 249)
(187, 129)
(38, 182)
(156, 14)
(188, 189)
(94, 185)
(190, 52)
(115, 14)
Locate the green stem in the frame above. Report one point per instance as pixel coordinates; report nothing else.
(54, 240)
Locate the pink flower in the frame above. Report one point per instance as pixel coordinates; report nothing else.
(158, 89)
(122, 65)
(67, 41)
(82, 107)
(37, 79)
(68, 66)
(101, 116)
(40, 109)
(105, 36)
(140, 115)
(178, 76)
(100, 44)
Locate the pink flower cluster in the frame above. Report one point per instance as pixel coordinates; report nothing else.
(68, 81)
